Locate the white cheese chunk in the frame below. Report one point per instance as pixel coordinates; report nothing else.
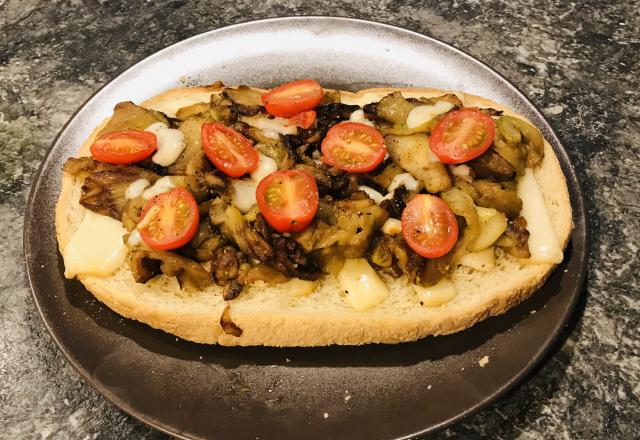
(463, 171)
(170, 143)
(404, 179)
(543, 243)
(266, 166)
(362, 100)
(163, 184)
(375, 195)
(300, 288)
(392, 226)
(363, 287)
(358, 116)
(271, 127)
(438, 294)
(134, 238)
(244, 194)
(483, 260)
(136, 188)
(424, 113)
(96, 247)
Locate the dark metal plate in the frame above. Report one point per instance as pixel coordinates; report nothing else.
(192, 390)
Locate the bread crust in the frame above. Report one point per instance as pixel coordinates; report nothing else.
(270, 316)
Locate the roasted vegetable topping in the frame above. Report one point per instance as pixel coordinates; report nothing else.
(337, 182)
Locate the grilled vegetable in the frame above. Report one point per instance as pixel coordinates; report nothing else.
(515, 239)
(146, 264)
(520, 143)
(491, 165)
(412, 154)
(128, 116)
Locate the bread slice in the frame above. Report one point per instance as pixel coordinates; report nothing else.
(276, 316)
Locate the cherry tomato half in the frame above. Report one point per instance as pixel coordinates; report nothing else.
(304, 119)
(288, 199)
(292, 98)
(462, 135)
(170, 219)
(353, 147)
(124, 147)
(228, 150)
(429, 226)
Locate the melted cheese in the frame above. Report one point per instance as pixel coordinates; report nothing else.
(404, 179)
(375, 195)
(134, 238)
(362, 100)
(438, 294)
(358, 116)
(244, 194)
(299, 287)
(96, 247)
(162, 184)
(543, 243)
(425, 113)
(136, 188)
(363, 287)
(266, 166)
(392, 226)
(483, 260)
(271, 127)
(170, 143)
(463, 171)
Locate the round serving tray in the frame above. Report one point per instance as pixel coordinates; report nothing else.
(374, 391)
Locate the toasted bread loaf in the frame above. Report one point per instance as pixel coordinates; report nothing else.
(275, 316)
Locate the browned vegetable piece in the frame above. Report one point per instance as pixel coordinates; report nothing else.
(330, 180)
(350, 226)
(103, 192)
(244, 96)
(128, 116)
(491, 165)
(200, 109)
(331, 97)
(397, 203)
(147, 263)
(392, 255)
(520, 143)
(515, 240)
(225, 264)
(384, 176)
(448, 97)
(278, 151)
(412, 153)
(228, 325)
(131, 212)
(78, 165)
(394, 108)
(249, 274)
(192, 161)
(204, 244)
(498, 196)
(280, 252)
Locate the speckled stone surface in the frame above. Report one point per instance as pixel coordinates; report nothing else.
(578, 62)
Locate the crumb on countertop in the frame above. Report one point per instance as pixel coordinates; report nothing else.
(484, 361)
(326, 415)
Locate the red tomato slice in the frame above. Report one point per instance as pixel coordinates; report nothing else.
(288, 199)
(353, 147)
(429, 226)
(170, 219)
(292, 98)
(462, 135)
(304, 119)
(124, 147)
(229, 151)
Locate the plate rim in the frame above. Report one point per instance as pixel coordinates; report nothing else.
(576, 194)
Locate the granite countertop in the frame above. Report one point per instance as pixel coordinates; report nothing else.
(579, 63)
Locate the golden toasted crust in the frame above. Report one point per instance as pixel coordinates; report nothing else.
(271, 315)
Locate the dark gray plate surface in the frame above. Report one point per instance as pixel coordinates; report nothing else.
(191, 390)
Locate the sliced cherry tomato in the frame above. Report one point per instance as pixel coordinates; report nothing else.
(124, 147)
(170, 219)
(462, 135)
(304, 119)
(288, 199)
(353, 147)
(292, 98)
(229, 151)
(429, 226)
